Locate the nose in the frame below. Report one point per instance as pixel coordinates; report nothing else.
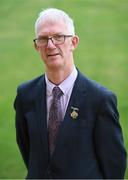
(50, 44)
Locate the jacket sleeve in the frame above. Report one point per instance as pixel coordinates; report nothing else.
(21, 130)
(108, 139)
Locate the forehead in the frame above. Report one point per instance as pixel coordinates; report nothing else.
(49, 28)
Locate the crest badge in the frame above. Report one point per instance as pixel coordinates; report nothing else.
(74, 113)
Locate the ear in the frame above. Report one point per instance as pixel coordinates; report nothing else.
(75, 42)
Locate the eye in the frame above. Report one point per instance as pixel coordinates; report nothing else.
(58, 37)
(42, 39)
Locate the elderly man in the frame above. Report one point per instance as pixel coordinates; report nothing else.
(67, 125)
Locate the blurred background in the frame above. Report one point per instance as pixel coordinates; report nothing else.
(102, 55)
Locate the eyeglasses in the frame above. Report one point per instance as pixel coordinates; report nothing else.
(56, 40)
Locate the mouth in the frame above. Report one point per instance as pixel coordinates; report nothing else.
(51, 55)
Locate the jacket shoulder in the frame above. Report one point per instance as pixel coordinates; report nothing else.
(30, 85)
(95, 90)
(28, 90)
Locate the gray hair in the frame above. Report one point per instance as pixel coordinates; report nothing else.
(53, 15)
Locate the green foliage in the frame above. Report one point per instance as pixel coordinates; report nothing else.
(101, 55)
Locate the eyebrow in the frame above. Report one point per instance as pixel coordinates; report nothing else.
(40, 36)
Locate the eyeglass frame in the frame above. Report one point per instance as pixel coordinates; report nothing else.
(51, 38)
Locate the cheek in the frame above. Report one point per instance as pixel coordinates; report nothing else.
(69, 46)
(67, 50)
(42, 53)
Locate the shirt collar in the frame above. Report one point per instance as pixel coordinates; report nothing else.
(65, 85)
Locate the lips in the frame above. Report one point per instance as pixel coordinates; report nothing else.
(53, 54)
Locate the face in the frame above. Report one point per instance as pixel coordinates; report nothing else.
(56, 56)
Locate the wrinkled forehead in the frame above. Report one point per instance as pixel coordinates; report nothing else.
(50, 27)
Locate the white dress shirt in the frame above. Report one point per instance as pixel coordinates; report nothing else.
(66, 87)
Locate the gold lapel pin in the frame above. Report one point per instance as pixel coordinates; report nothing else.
(74, 113)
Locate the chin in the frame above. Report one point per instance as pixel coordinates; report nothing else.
(55, 66)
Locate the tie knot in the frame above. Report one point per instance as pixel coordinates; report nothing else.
(57, 93)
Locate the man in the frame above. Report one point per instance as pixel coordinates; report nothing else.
(77, 133)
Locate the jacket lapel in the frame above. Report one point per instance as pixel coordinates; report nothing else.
(41, 111)
(77, 96)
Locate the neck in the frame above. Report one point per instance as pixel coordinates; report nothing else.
(58, 76)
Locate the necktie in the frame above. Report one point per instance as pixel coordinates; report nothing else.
(55, 118)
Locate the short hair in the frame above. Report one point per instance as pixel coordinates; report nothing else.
(55, 15)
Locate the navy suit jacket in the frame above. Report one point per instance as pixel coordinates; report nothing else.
(89, 146)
